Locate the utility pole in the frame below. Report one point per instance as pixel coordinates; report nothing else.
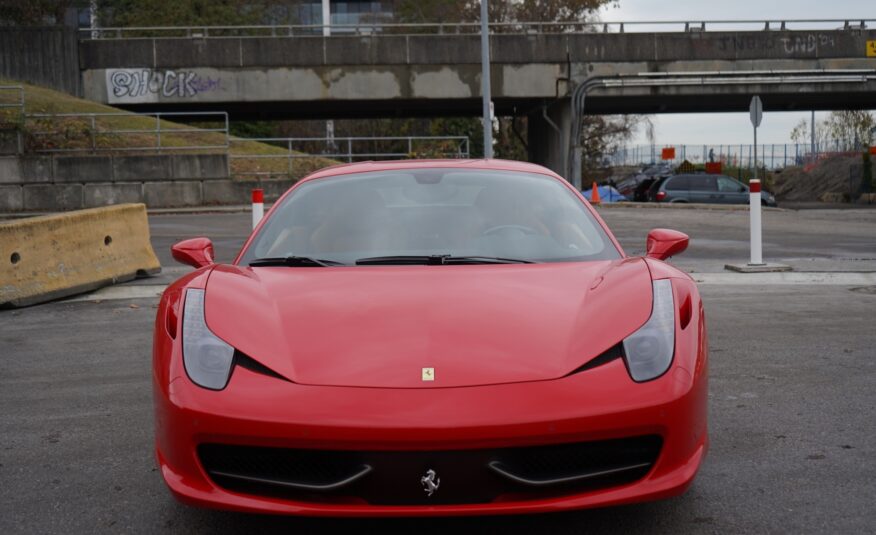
(92, 19)
(326, 32)
(485, 81)
(326, 18)
(812, 137)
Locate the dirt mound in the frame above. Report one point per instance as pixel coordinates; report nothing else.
(835, 174)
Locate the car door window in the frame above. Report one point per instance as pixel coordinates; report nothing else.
(678, 183)
(703, 183)
(728, 185)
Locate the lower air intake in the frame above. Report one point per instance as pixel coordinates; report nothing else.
(462, 476)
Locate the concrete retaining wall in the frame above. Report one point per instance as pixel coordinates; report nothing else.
(47, 56)
(10, 141)
(59, 183)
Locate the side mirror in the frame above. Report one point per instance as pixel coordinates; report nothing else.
(196, 252)
(663, 243)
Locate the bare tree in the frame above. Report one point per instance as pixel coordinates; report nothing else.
(844, 130)
(602, 134)
(850, 128)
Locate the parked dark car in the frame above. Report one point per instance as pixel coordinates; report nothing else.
(702, 188)
(640, 193)
(636, 186)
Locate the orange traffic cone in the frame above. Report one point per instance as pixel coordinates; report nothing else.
(594, 197)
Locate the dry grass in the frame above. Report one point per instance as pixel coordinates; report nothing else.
(10, 108)
(128, 133)
(277, 165)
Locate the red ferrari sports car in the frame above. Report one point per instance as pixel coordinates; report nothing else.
(430, 338)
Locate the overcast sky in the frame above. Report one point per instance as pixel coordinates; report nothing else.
(723, 128)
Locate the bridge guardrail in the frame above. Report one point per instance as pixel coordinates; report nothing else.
(347, 149)
(396, 28)
(93, 132)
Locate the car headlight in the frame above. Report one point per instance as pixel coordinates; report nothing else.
(207, 359)
(648, 351)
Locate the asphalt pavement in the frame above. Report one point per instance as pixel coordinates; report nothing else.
(792, 402)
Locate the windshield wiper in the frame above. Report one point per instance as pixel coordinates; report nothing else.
(436, 260)
(294, 261)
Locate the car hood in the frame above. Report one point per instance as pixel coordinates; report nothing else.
(474, 325)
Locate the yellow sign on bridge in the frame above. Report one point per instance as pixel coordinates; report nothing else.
(871, 49)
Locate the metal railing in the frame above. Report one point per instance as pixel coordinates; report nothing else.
(769, 155)
(91, 132)
(395, 28)
(12, 113)
(95, 133)
(349, 149)
(12, 98)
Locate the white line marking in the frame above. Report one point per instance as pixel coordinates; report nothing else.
(770, 279)
(114, 293)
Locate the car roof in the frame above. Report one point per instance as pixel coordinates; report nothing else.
(702, 175)
(491, 164)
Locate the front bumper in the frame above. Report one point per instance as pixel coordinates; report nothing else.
(598, 404)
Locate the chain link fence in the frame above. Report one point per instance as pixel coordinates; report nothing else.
(769, 155)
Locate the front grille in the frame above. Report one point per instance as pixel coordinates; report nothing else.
(463, 476)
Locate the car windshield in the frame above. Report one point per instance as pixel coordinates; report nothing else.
(431, 212)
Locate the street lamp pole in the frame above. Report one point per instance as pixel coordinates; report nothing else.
(485, 81)
(326, 18)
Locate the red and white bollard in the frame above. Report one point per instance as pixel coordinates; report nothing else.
(756, 265)
(258, 206)
(756, 244)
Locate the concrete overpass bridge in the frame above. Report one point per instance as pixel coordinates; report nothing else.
(549, 72)
(414, 69)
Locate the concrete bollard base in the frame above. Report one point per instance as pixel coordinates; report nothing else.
(758, 268)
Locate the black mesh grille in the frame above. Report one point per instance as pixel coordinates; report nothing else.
(305, 467)
(394, 477)
(566, 460)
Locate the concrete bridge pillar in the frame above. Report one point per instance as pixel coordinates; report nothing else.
(548, 136)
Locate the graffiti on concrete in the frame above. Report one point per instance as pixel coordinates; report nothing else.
(807, 43)
(798, 44)
(147, 85)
